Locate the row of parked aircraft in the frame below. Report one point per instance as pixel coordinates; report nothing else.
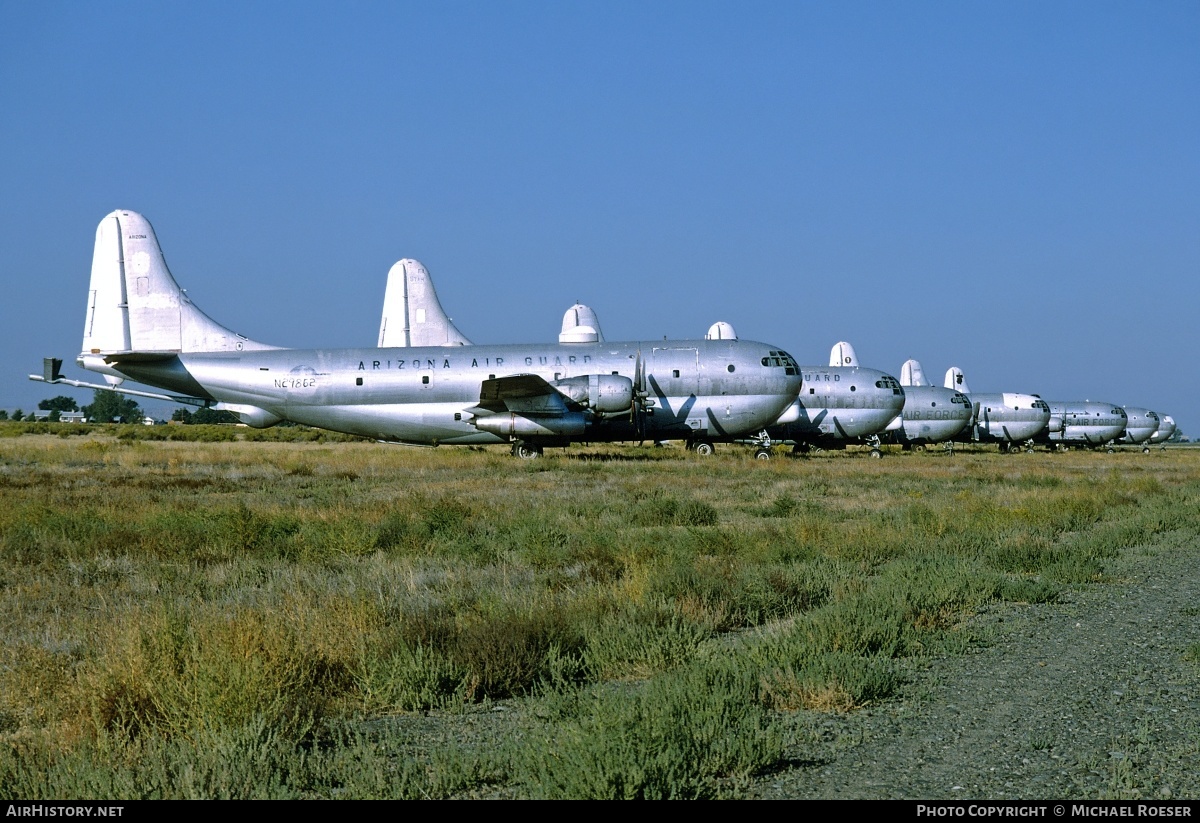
(425, 383)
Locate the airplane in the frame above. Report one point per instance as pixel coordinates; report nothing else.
(1086, 423)
(1140, 427)
(839, 404)
(1010, 419)
(1166, 428)
(931, 414)
(854, 404)
(141, 326)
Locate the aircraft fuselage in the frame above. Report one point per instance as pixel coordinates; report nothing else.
(839, 405)
(715, 390)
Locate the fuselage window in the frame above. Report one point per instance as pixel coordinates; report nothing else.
(730, 368)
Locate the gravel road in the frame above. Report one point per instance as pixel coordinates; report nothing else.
(1089, 697)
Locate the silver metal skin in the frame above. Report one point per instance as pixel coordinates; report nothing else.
(1140, 427)
(839, 405)
(1084, 423)
(141, 326)
(1010, 419)
(931, 414)
(1166, 428)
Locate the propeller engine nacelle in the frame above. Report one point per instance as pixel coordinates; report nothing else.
(511, 424)
(602, 393)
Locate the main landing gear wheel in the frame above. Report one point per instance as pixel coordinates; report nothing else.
(876, 454)
(1145, 449)
(704, 448)
(525, 451)
(762, 454)
(918, 447)
(1110, 450)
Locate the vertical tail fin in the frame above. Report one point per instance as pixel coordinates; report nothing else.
(580, 325)
(135, 305)
(911, 374)
(842, 354)
(955, 379)
(412, 314)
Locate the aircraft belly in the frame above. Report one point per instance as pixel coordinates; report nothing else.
(411, 422)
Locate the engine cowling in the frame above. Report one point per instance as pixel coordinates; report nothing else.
(604, 393)
(511, 424)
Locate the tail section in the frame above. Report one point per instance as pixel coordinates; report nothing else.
(412, 315)
(580, 325)
(911, 374)
(955, 379)
(135, 305)
(720, 331)
(842, 354)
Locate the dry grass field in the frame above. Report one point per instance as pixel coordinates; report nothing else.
(283, 619)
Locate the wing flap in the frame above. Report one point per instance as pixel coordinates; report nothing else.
(525, 393)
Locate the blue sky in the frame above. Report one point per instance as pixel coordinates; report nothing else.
(1012, 188)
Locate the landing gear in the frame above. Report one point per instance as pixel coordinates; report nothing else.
(526, 451)
(873, 442)
(1145, 449)
(1110, 450)
(763, 441)
(704, 448)
(918, 447)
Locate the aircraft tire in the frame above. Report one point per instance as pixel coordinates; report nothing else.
(1110, 450)
(526, 451)
(1145, 449)
(876, 454)
(762, 454)
(704, 448)
(918, 447)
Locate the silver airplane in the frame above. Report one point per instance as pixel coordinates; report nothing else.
(141, 326)
(839, 404)
(1166, 428)
(1012, 420)
(932, 414)
(1086, 423)
(1140, 427)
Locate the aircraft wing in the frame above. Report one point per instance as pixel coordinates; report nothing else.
(525, 393)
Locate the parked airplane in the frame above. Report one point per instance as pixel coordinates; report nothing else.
(932, 414)
(839, 404)
(141, 326)
(1007, 418)
(1140, 427)
(1085, 423)
(1166, 428)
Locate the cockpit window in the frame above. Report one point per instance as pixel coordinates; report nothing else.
(777, 359)
(887, 382)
